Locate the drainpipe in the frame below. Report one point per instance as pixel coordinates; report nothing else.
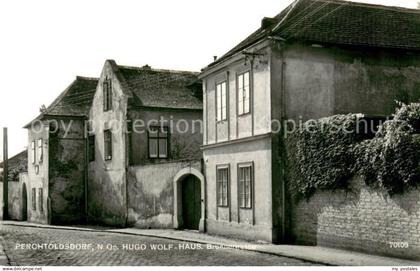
(280, 44)
(127, 167)
(86, 177)
(283, 154)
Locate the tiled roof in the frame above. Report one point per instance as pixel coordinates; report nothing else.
(342, 22)
(75, 100)
(161, 88)
(18, 162)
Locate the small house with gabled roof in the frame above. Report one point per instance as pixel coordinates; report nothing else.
(55, 190)
(145, 168)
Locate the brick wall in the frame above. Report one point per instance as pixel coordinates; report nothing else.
(361, 219)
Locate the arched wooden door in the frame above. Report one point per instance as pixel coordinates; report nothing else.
(191, 202)
(24, 203)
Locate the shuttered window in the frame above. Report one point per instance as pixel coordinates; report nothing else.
(41, 200)
(33, 198)
(40, 150)
(33, 152)
(107, 94)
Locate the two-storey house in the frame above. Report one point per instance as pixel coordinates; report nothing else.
(54, 192)
(145, 157)
(316, 58)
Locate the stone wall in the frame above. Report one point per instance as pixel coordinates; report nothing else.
(360, 219)
(15, 197)
(151, 193)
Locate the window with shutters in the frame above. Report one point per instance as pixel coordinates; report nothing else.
(41, 200)
(33, 152)
(221, 102)
(33, 197)
(40, 150)
(107, 93)
(223, 186)
(108, 145)
(243, 94)
(158, 142)
(245, 183)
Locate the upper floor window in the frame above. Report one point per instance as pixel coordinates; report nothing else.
(91, 149)
(40, 150)
(108, 145)
(243, 94)
(107, 91)
(222, 186)
(33, 152)
(221, 105)
(158, 142)
(245, 179)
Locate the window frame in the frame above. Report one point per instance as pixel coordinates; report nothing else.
(158, 138)
(40, 147)
(223, 204)
(107, 94)
(242, 201)
(33, 198)
(108, 145)
(33, 150)
(91, 145)
(41, 199)
(223, 114)
(241, 103)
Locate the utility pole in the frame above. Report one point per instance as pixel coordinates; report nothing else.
(5, 176)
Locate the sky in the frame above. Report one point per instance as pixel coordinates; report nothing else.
(44, 44)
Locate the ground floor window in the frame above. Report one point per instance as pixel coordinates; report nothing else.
(245, 183)
(222, 185)
(33, 198)
(91, 148)
(41, 200)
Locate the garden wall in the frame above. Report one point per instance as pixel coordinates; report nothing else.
(361, 219)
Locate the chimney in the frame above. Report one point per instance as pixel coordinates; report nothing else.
(214, 58)
(267, 22)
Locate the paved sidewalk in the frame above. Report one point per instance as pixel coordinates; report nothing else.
(319, 255)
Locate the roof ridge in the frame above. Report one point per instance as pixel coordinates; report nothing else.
(86, 78)
(157, 70)
(377, 6)
(13, 157)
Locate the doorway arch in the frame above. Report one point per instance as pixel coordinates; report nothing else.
(24, 202)
(188, 175)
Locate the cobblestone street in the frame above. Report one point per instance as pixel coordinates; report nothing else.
(103, 248)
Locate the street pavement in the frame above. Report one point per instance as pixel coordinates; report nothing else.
(32, 246)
